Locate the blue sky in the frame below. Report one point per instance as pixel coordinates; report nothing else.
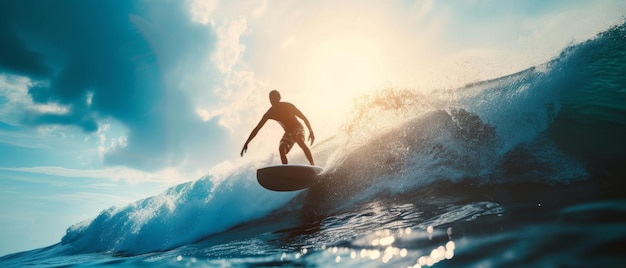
(106, 102)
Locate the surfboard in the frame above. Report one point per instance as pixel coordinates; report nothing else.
(283, 178)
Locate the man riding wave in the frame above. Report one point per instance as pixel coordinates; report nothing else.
(286, 114)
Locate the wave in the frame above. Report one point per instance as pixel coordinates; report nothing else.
(555, 123)
(180, 215)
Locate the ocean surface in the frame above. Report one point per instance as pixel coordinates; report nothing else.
(526, 170)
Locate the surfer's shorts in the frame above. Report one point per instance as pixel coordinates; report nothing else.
(290, 137)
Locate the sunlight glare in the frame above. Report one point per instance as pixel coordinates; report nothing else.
(341, 69)
(344, 67)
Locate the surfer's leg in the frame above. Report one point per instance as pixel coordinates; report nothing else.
(283, 154)
(285, 146)
(299, 136)
(306, 150)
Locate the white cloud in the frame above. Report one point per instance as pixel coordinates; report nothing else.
(229, 49)
(114, 144)
(204, 114)
(18, 101)
(202, 10)
(168, 176)
(236, 82)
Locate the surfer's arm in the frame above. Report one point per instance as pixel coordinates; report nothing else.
(298, 113)
(254, 132)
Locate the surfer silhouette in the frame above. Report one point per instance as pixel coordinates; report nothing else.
(286, 115)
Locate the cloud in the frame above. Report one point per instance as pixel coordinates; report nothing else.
(202, 10)
(236, 95)
(114, 174)
(16, 57)
(121, 60)
(177, 76)
(229, 49)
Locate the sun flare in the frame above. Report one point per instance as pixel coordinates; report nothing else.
(341, 69)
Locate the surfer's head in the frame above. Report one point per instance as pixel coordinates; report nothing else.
(274, 97)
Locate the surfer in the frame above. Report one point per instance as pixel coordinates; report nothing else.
(285, 114)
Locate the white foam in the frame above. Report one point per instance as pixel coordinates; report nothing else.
(181, 215)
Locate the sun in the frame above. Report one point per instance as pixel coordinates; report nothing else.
(341, 69)
(344, 66)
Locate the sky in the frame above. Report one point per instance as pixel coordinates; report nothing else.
(106, 102)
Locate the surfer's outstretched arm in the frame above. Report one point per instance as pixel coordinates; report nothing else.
(253, 134)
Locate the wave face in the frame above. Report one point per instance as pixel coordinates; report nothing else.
(509, 140)
(182, 214)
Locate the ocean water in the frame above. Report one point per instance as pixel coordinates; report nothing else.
(526, 170)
